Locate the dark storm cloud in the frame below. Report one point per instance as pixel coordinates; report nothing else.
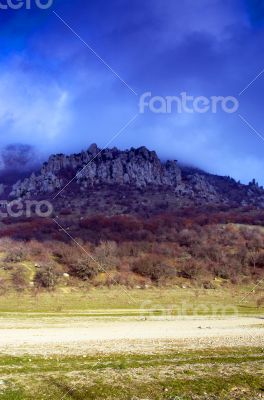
(60, 97)
(18, 156)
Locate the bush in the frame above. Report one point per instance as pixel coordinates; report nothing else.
(68, 254)
(223, 271)
(260, 302)
(208, 285)
(47, 276)
(19, 279)
(84, 269)
(153, 268)
(15, 255)
(106, 254)
(191, 270)
(36, 249)
(187, 237)
(3, 286)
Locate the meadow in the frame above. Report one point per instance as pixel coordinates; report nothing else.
(119, 300)
(223, 374)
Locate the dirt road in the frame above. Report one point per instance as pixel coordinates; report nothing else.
(81, 335)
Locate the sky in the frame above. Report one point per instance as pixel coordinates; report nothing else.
(73, 74)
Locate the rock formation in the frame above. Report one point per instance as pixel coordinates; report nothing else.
(137, 167)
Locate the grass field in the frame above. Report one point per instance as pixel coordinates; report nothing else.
(122, 301)
(208, 374)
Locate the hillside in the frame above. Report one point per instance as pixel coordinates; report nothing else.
(142, 221)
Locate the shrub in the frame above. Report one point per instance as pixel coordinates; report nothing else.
(153, 268)
(47, 276)
(260, 302)
(215, 254)
(187, 237)
(19, 279)
(3, 286)
(36, 249)
(68, 254)
(191, 270)
(208, 285)
(84, 269)
(223, 271)
(15, 254)
(106, 254)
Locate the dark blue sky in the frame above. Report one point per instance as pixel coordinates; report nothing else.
(58, 96)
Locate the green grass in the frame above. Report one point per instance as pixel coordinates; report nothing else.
(121, 301)
(222, 373)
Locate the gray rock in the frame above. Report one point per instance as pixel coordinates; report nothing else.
(138, 167)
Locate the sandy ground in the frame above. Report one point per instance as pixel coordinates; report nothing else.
(89, 335)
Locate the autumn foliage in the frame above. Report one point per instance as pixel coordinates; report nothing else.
(196, 246)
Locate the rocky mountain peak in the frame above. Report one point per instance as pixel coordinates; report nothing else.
(138, 167)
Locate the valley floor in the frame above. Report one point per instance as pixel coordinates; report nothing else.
(131, 358)
(72, 346)
(88, 335)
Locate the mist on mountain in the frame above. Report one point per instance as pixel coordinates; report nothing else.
(17, 161)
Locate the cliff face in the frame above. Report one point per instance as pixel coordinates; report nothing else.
(136, 167)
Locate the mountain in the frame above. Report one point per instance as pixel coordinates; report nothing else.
(137, 176)
(137, 167)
